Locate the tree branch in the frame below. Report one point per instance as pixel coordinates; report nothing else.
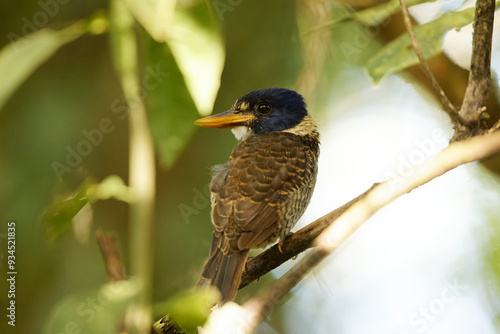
(292, 245)
(479, 75)
(445, 102)
(458, 153)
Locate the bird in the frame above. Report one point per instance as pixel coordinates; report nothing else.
(260, 193)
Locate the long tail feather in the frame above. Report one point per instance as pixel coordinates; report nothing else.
(224, 272)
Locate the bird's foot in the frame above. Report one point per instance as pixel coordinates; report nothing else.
(280, 245)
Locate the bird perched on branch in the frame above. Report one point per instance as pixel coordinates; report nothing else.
(265, 187)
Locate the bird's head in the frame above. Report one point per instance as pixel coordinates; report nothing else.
(260, 111)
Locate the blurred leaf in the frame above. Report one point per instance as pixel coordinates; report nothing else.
(371, 16)
(199, 52)
(26, 53)
(191, 308)
(399, 54)
(195, 40)
(185, 57)
(171, 109)
(154, 15)
(82, 224)
(490, 182)
(375, 15)
(97, 311)
(111, 187)
(58, 217)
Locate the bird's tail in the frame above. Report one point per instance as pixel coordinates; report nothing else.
(224, 272)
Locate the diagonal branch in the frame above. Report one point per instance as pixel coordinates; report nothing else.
(458, 153)
(272, 258)
(445, 102)
(292, 245)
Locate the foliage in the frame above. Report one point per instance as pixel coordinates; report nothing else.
(19, 59)
(59, 216)
(399, 54)
(190, 309)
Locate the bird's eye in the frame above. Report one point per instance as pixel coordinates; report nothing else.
(263, 108)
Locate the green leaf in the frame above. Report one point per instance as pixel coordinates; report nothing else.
(58, 217)
(26, 53)
(154, 15)
(399, 53)
(97, 311)
(371, 16)
(199, 52)
(171, 108)
(184, 61)
(194, 39)
(111, 187)
(191, 308)
(375, 15)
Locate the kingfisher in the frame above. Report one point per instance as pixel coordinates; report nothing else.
(260, 193)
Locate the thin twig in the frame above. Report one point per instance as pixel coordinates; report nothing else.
(112, 261)
(458, 153)
(315, 51)
(111, 256)
(445, 102)
(495, 127)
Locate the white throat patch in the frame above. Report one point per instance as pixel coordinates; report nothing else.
(241, 132)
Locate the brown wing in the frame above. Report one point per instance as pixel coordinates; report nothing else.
(261, 172)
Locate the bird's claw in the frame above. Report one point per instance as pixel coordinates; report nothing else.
(280, 245)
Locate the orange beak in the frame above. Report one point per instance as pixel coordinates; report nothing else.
(227, 119)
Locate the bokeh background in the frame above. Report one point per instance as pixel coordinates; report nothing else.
(427, 263)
